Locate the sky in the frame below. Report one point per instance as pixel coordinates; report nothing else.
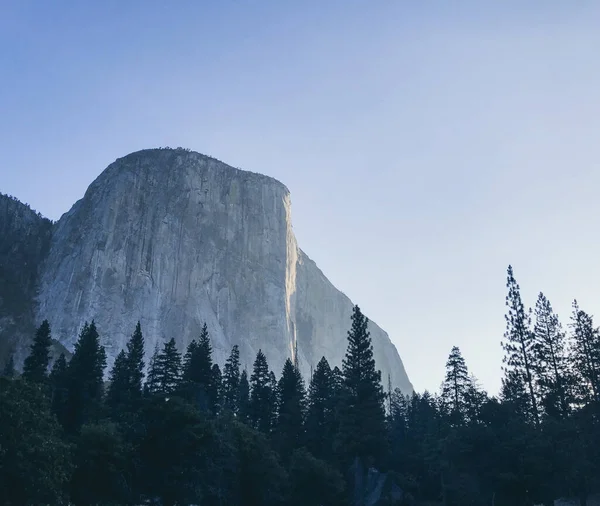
(426, 145)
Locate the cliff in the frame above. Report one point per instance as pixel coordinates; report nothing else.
(174, 238)
(24, 242)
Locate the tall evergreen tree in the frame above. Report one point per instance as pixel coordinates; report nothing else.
(35, 367)
(118, 388)
(198, 372)
(59, 384)
(513, 392)
(261, 395)
(398, 429)
(202, 372)
(152, 384)
(243, 399)
(85, 378)
(188, 359)
(338, 382)
(551, 364)
(321, 413)
(519, 341)
(215, 389)
(475, 399)
(291, 406)
(362, 413)
(231, 380)
(168, 367)
(456, 385)
(135, 363)
(586, 354)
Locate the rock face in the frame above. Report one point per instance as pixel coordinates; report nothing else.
(24, 241)
(174, 238)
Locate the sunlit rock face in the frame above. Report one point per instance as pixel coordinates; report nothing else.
(174, 238)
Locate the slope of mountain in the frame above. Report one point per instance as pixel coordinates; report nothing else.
(174, 238)
(24, 242)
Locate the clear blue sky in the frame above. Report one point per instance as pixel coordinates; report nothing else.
(427, 145)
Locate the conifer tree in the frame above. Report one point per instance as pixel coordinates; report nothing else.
(456, 385)
(85, 378)
(274, 389)
(168, 365)
(261, 395)
(9, 367)
(35, 367)
(215, 389)
(202, 373)
(188, 358)
(198, 372)
(551, 364)
(475, 398)
(362, 414)
(398, 427)
(243, 399)
(338, 382)
(231, 380)
(118, 388)
(320, 417)
(514, 393)
(135, 364)
(152, 385)
(59, 384)
(586, 354)
(291, 405)
(518, 343)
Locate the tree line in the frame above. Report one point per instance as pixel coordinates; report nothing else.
(191, 432)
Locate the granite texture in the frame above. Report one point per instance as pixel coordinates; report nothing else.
(174, 238)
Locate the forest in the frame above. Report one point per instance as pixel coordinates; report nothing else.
(179, 429)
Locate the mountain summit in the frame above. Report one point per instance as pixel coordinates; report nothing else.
(174, 238)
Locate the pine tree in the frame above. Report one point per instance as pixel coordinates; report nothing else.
(202, 373)
(9, 367)
(456, 385)
(261, 395)
(291, 405)
(243, 399)
(231, 380)
(338, 382)
(398, 427)
(135, 364)
(586, 354)
(198, 372)
(168, 367)
(59, 384)
(362, 413)
(188, 359)
(519, 341)
(274, 389)
(152, 385)
(475, 398)
(215, 389)
(85, 378)
(551, 364)
(514, 393)
(35, 367)
(320, 417)
(118, 389)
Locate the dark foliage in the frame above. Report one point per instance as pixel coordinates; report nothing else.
(202, 436)
(35, 367)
